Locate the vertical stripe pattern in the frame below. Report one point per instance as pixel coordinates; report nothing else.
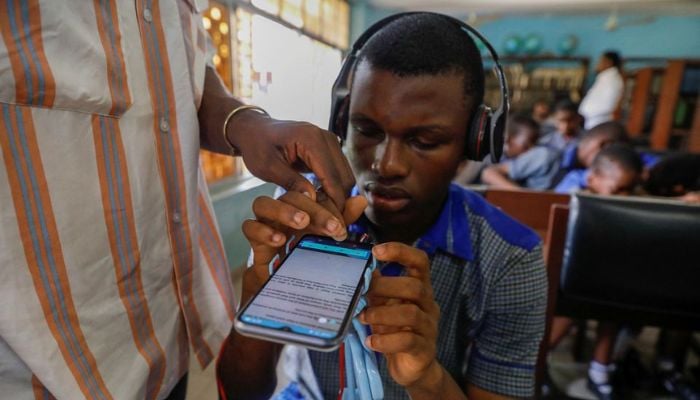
(215, 257)
(119, 218)
(20, 25)
(110, 36)
(170, 167)
(117, 203)
(42, 246)
(40, 392)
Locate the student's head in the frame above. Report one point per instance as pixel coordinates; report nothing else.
(598, 138)
(674, 175)
(609, 59)
(567, 118)
(521, 135)
(540, 110)
(616, 170)
(416, 85)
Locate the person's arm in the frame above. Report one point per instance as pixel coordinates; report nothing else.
(273, 150)
(246, 367)
(497, 176)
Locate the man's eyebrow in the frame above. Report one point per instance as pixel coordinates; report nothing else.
(432, 129)
(361, 118)
(435, 129)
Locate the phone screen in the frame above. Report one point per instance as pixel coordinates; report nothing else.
(312, 290)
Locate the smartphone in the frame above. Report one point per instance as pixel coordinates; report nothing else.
(309, 300)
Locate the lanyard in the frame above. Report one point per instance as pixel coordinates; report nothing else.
(358, 365)
(361, 380)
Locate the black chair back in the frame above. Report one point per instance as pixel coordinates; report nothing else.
(631, 259)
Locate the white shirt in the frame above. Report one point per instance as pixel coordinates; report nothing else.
(111, 264)
(602, 98)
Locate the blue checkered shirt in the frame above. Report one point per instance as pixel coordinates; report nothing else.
(489, 280)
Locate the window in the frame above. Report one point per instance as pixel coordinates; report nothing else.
(282, 55)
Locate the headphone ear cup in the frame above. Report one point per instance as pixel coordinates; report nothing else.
(340, 119)
(498, 136)
(478, 142)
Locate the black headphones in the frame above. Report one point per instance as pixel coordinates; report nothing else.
(484, 119)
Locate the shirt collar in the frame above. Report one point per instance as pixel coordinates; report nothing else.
(449, 233)
(569, 157)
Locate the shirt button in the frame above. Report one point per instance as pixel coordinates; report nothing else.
(147, 15)
(177, 218)
(164, 125)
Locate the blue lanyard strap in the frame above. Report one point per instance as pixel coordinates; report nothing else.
(363, 381)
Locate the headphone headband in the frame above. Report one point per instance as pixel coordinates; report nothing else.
(494, 119)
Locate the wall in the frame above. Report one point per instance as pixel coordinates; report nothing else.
(666, 36)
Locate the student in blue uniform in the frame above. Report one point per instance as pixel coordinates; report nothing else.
(616, 170)
(525, 164)
(467, 316)
(568, 124)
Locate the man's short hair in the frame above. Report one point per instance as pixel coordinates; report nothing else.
(621, 154)
(518, 124)
(614, 58)
(566, 105)
(427, 44)
(612, 130)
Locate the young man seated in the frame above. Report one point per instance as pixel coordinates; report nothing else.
(577, 158)
(616, 170)
(524, 163)
(568, 124)
(467, 316)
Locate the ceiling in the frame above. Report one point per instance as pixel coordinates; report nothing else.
(465, 7)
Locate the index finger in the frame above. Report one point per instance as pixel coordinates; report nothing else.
(331, 168)
(415, 260)
(346, 179)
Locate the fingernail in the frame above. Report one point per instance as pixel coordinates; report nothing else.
(341, 237)
(277, 237)
(361, 318)
(307, 194)
(378, 250)
(332, 225)
(299, 217)
(368, 342)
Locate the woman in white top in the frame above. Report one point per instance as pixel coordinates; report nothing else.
(604, 96)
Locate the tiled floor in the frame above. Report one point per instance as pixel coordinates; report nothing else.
(570, 376)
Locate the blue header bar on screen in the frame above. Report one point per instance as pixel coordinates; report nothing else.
(356, 253)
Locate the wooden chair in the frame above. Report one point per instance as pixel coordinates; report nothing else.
(553, 258)
(527, 206)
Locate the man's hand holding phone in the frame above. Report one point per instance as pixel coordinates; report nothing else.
(404, 318)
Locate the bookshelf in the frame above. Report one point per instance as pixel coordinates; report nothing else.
(661, 105)
(533, 78)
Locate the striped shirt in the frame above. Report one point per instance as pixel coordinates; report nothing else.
(111, 264)
(489, 280)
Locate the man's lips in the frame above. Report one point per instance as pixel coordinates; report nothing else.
(386, 198)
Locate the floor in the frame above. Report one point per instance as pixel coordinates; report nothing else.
(570, 376)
